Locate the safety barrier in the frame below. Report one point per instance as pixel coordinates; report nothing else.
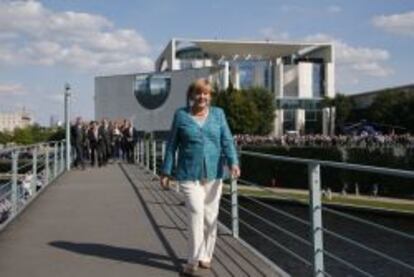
(29, 170)
(150, 153)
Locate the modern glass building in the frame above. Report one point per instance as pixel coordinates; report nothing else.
(298, 75)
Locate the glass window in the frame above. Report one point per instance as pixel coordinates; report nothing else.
(290, 103)
(152, 91)
(311, 115)
(317, 80)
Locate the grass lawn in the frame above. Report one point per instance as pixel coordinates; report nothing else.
(302, 196)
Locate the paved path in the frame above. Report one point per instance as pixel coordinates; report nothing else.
(112, 221)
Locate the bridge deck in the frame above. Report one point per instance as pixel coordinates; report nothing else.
(112, 221)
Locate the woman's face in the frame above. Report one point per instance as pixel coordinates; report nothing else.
(202, 97)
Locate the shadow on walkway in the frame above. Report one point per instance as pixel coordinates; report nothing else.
(117, 253)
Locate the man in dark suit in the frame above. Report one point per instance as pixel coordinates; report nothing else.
(130, 135)
(77, 141)
(93, 136)
(104, 141)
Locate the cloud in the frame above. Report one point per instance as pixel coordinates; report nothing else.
(56, 98)
(400, 24)
(334, 9)
(356, 61)
(273, 34)
(12, 89)
(353, 63)
(33, 34)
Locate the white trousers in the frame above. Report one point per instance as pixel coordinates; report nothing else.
(202, 201)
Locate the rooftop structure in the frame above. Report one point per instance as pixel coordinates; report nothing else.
(300, 75)
(363, 100)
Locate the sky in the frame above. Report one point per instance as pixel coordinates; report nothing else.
(45, 44)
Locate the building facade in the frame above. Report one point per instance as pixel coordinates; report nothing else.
(298, 75)
(11, 120)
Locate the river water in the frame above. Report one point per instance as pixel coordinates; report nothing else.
(388, 243)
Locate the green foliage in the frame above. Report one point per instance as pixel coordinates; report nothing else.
(293, 175)
(5, 137)
(393, 108)
(343, 106)
(31, 135)
(248, 111)
(23, 136)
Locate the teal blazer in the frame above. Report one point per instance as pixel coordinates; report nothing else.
(202, 151)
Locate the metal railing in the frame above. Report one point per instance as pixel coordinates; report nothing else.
(150, 154)
(31, 169)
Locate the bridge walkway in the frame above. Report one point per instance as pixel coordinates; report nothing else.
(111, 221)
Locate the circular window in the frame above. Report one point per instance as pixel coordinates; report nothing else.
(152, 91)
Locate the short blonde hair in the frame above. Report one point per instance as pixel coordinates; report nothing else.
(199, 84)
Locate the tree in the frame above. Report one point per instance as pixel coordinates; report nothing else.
(23, 136)
(264, 102)
(393, 108)
(5, 137)
(248, 111)
(343, 108)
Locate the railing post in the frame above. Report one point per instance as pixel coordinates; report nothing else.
(234, 208)
(315, 208)
(143, 152)
(34, 171)
(15, 157)
(154, 157)
(139, 151)
(147, 153)
(62, 160)
(55, 160)
(135, 153)
(162, 151)
(46, 181)
(67, 127)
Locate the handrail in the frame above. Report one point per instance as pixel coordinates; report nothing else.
(341, 165)
(28, 146)
(376, 225)
(21, 196)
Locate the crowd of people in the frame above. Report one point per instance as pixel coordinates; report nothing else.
(100, 142)
(378, 140)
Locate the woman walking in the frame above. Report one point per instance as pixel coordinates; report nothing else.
(204, 142)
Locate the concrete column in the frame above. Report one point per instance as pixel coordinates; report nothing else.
(329, 80)
(235, 75)
(278, 123)
(278, 79)
(226, 75)
(300, 121)
(332, 122)
(325, 121)
(305, 89)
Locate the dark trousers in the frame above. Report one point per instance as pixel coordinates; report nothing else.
(130, 151)
(79, 156)
(95, 155)
(102, 154)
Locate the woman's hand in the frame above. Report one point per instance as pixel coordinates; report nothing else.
(235, 171)
(165, 182)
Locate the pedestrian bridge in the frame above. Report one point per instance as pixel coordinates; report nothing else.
(112, 221)
(116, 221)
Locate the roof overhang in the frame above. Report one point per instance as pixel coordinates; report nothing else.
(263, 50)
(260, 50)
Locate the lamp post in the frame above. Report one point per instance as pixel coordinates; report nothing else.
(67, 125)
